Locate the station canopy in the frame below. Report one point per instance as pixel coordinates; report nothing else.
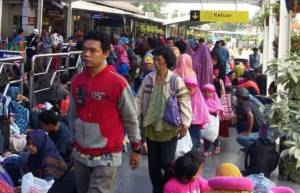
(252, 2)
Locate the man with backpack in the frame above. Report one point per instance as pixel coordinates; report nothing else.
(249, 119)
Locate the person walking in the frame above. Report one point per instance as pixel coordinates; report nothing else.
(202, 64)
(151, 101)
(254, 59)
(184, 69)
(101, 107)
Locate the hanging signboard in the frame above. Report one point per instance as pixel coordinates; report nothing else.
(220, 16)
(9, 54)
(97, 16)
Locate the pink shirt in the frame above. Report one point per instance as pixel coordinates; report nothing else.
(199, 185)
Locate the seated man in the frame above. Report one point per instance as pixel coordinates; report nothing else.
(58, 132)
(249, 119)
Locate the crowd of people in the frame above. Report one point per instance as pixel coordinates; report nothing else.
(149, 92)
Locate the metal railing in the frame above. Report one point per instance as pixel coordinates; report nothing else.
(11, 62)
(67, 67)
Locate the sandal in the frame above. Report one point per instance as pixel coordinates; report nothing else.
(207, 154)
(217, 149)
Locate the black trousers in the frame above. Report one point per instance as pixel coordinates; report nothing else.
(160, 157)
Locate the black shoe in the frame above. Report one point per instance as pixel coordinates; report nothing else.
(244, 150)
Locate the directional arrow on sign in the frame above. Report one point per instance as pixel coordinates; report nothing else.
(194, 15)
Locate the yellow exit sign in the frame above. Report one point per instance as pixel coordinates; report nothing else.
(220, 16)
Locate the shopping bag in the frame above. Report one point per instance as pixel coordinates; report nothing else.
(184, 145)
(210, 131)
(227, 114)
(31, 184)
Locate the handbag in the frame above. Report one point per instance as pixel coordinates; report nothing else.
(210, 131)
(227, 114)
(172, 114)
(184, 145)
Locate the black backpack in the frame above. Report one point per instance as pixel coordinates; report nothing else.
(261, 157)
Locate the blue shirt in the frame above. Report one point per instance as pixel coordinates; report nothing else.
(62, 139)
(254, 61)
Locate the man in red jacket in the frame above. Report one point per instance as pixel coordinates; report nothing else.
(101, 107)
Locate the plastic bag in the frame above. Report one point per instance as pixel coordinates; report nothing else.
(211, 129)
(184, 145)
(31, 184)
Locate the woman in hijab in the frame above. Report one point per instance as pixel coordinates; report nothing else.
(215, 108)
(184, 67)
(230, 180)
(44, 160)
(202, 64)
(122, 61)
(176, 51)
(21, 114)
(200, 111)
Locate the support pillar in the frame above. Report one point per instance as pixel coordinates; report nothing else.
(40, 15)
(168, 31)
(1, 2)
(269, 35)
(284, 41)
(69, 19)
(265, 48)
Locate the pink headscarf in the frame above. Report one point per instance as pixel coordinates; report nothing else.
(199, 107)
(211, 98)
(122, 56)
(184, 67)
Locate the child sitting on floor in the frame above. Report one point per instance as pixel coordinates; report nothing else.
(188, 169)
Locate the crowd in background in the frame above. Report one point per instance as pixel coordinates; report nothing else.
(211, 89)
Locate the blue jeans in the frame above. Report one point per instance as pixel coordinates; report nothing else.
(247, 140)
(241, 126)
(195, 135)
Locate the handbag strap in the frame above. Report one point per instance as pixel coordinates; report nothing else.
(173, 85)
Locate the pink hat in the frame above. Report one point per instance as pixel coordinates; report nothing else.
(280, 189)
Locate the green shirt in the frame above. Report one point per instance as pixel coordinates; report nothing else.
(156, 128)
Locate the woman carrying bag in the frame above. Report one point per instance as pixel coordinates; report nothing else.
(164, 104)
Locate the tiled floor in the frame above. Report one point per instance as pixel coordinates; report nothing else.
(137, 181)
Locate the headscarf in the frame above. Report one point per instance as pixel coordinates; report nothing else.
(230, 180)
(239, 70)
(211, 98)
(199, 107)
(122, 56)
(184, 67)
(202, 64)
(176, 51)
(228, 169)
(41, 164)
(21, 113)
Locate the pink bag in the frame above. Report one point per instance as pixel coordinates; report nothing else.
(227, 114)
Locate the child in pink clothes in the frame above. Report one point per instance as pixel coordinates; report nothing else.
(188, 178)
